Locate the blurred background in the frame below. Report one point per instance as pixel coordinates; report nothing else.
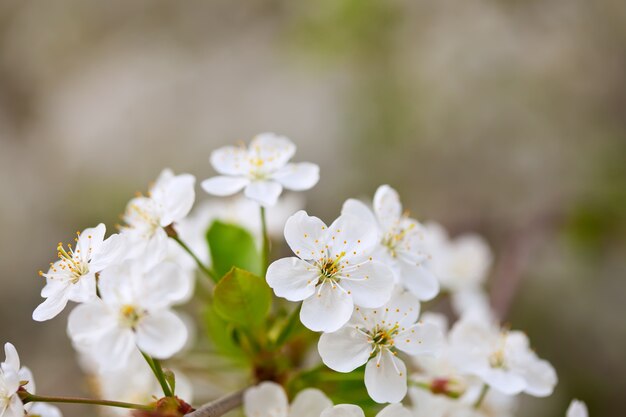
(503, 117)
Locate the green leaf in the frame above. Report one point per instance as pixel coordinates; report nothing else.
(221, 335)
(242, 298)
(232, 246)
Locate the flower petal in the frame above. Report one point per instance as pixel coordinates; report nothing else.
(421, 338)
(309, 403)
(387, 206)
(385, 378)
(359, 209)
(292, 278)
(222, 186)
(12, 359)
(577, 409)
(419, 280)
(506, 382)
(343, 410)
(370, 283)
(15, 408)
(394, 410)
(230, 160)
(540, 378)
(305, 235)
(328, 310)
(298, 177)
(90, 240)
(175, 198)
(265, 193)
(52, 305)
(267, 399)
(274, 150)
(352, 238)
(161, 334)
(163, 286)
(344, 350)
(84, 290)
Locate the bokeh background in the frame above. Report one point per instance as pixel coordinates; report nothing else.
(504, 117)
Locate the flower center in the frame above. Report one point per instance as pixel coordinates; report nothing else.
(71, 261)
(497, 358)
(329, 268)
(130, 316)
(394, 237)
(382, 337)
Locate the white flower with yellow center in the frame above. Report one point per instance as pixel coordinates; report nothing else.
(169, 200)
(334, 270)
(503, 359)
(262, 170)
(375, 336)
(12, 376)
(134, 311)
(73, 276)
(401, 241)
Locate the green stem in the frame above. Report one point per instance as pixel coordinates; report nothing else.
(481, 397)
(266, 240)
(155, 365)
(290, 323)
(207, 271)
(29, 398)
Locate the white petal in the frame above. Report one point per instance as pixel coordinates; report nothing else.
(267, 399)
(25, 374)
(421, 338)
(327, 310)
(265, 193)
(12, 359)
(306, 235)
(577, 409)
(292, 278)
(163, 286)
(344, 350)
(161, 334)
(15, 408)
(111, 250)
(223, 186)
(230, 160)
(385, 378)
(540, 378)
(298, 177)
(84, 290)
(52, 305)
(352, 238)
(419, 280)
(309, 403)
(90, 240)
(506, 382)
(403, 309)
(175, 198)
(394, 410)
(343, 410)
(88, 321)
(44, 410)
(357, 208)
(387, 206)
(274, 150)
(371, 283)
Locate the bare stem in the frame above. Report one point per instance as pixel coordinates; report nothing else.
(30, 398)
(481, 397)
(220, 406)
(207, 271)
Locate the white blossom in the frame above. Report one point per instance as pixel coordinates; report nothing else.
(374, 337)
(12, 375)
(43, 410)
(73, 276)
(133, 311)
(501, 358)
(577, 408)
(334, 270)
(169, 200)
(268, 399)
(401, 241)
(262, 170)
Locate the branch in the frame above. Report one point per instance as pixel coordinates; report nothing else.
(220, 406)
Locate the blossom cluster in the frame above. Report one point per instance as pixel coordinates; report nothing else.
(359, 283)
